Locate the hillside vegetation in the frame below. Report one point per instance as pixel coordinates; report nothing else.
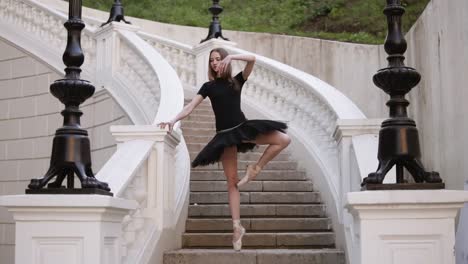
(359, 21)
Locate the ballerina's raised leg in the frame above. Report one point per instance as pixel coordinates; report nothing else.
(277, 141)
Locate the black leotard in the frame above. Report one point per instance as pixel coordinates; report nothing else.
(225, 101)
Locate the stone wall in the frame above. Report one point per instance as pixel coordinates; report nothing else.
(438, 49)
(29, 116)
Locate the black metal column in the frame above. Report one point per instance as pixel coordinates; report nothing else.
(398, 136)
(116, 13)
(215, 25)
(71, 152)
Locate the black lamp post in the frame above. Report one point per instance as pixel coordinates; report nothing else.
(71, 148)
(398, 137)
(215, 25)
(116, 13)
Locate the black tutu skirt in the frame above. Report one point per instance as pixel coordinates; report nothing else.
(237, 135)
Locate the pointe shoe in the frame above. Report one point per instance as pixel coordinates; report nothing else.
(250, 174)
(237, 245)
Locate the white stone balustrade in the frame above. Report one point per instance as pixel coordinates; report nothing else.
(144, 169)
(180, 56)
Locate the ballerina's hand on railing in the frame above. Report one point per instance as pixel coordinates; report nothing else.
(170, 125)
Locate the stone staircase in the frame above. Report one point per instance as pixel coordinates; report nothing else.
(283, 216)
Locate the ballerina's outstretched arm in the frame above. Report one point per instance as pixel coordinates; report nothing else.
(184, 113)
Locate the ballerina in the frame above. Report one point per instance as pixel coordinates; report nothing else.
(234, 133)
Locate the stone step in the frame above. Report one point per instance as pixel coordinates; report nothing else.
(252, 156)
(242, 164)
(258, 210)
(254, 256)
(198, 139)
(256, 197)
(259, 224)
(203, 111)
(261, 240)
(198, 124)
(196, 147)
(200, 117)
(257, 186)
(188, 131)
(264, 175)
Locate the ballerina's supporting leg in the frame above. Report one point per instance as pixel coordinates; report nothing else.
(277, 141)
(229, 161)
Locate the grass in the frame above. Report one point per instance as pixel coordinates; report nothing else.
(358, 21)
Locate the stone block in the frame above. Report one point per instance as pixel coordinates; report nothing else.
(215, 197)
(325, 239)
(300, 210)
(23, 67)
(217, 186)
(42, 69)
(5, 70)
(9, 235)
(103, 112)
(300, 256)
(54, 121)
(296, 186)
(284, 197)
(34, 168)
(296, 224)
(5, 217)
(2, 150)
(10, 129)
(107, 139)
(47, 104)
(43, 147)
(8, 254)
(8, 52)
(4, 109)
(223, 224)
(10, 88)
(223, 210)
(35, 85)
(13, 188)
(20, 149)
(9, 170)
(225, 240)
(34, 126)
(87, 119)
(29, 86)
(207, 256)
(22, 107)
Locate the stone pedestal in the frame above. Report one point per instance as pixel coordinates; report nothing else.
(71, 229)
(403, 227)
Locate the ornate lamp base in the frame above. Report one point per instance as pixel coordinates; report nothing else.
(70, 155)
